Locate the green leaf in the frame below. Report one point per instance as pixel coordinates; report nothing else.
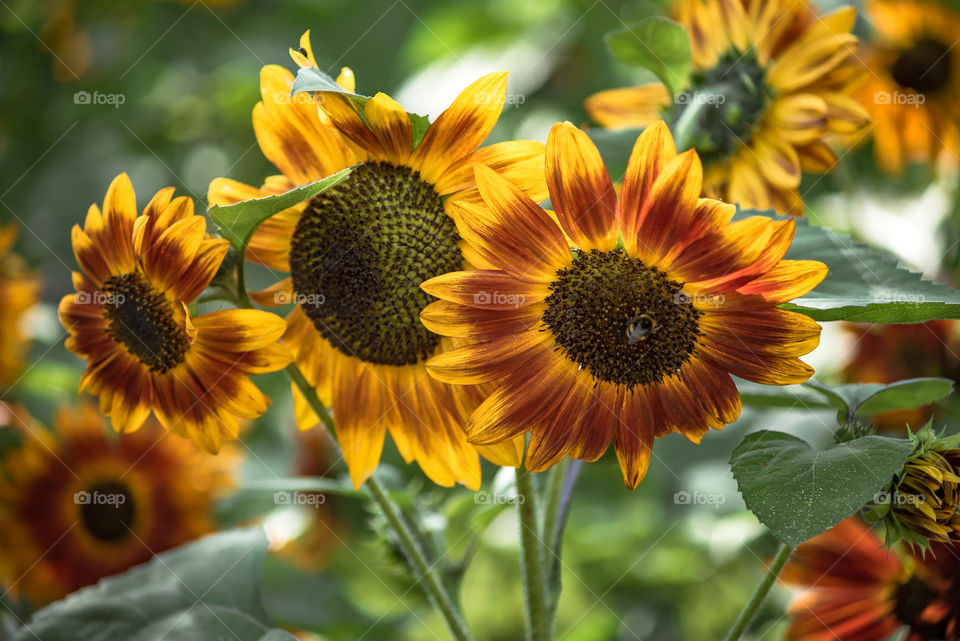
(209, 589)
(237, 222)
(420, 124)
(658, 44)
(872, 398)
(301, 484)
(798, 492)
(312, 79)
(865, 284)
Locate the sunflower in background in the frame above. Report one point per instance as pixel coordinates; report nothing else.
(635, 333)
(853, 589)
(771, 85)
(79, 503)
(913, 89)
(145, 350)
(358, 253)
(890, 353)
(19, 291)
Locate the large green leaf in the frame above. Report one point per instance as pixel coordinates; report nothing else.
(209, 589)
(865, 284)
(658, 44)
(237, 222)
(798, 492)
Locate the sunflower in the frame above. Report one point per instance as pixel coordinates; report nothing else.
(145, 350)
(771, 84)
(358, 253)
(19, 291)
(890, 353)
(79, 503)
(854, 590)
(914, 82)
(635, 333)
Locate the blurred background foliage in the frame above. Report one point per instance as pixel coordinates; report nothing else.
(654, 563)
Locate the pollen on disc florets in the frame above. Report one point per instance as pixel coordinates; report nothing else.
(141, 319)
(626, 323)
(359, 254)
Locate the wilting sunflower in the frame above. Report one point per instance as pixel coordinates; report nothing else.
(79, 503)
(634, 334)
(913, 89)
(18, 293)
(145, 350)
(771, 83)
(358, 253)
(855, 590)
(889, 353)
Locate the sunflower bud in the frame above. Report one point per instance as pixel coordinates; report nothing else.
(927, 496)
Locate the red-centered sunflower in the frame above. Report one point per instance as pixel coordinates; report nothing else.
(19, 291)
(890, 353)
(79, 503)
(129, 320)
(358, 253)
(913, 89)
(635, 333)
(855, 590)
(771, 85)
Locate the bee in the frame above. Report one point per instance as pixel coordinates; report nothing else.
(640, 329)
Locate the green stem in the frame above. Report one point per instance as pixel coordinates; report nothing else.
(406, 532)
(559, 497)
(241, 284)
(759, 594)
(428, 579)
(531, 559)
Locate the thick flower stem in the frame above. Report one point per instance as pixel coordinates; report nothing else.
(759, 594)
(563, 477)
(532, 560)
(404, 531)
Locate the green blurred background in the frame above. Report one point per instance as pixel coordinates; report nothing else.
(649, 564)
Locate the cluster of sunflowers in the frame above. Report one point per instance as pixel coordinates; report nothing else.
(512, 302)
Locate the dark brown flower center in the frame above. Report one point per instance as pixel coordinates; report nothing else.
(910, 600)
(625, 322)
(141, 319)
(923, 67)
(358, 257)
(107, 510)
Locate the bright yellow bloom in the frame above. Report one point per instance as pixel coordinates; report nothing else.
(913, 89)
(145, 350)
(635, 333)
(779, 78)
(358, 253)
